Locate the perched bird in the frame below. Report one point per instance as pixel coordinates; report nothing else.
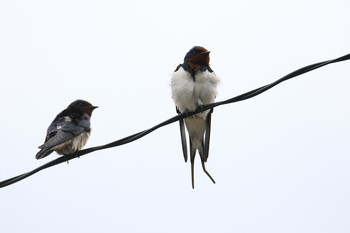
(193, 84)
(69, 131)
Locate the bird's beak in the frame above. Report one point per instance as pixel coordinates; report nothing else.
(93, 107)
(206, 52)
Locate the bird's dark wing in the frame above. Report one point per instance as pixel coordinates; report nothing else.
(207, 137)
(62, 133)
(178, 67)
(43, 153)
(183, 137)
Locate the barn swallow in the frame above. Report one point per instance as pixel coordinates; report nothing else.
(193, 84)
(69, 131)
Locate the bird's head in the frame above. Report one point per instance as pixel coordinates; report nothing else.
(197, 56)
(83, 106)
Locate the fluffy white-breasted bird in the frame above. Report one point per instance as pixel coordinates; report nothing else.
(194, 84)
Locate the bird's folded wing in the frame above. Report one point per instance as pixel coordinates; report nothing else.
(183, 139)
(183, 136)
(207, 136)
(65, 133)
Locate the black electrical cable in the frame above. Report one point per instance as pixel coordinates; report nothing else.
(131, 138)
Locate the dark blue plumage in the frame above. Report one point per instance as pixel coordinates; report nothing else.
(69, 131)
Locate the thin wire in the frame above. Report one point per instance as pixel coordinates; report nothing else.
(136, 136)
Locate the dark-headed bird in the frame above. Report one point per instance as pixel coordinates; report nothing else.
(193, 84)
(69, 131)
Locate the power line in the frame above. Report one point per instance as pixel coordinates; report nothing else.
(136, 136)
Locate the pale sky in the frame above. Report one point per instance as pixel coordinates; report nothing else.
(281, 160)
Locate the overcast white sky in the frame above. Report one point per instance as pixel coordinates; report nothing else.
(281, 160)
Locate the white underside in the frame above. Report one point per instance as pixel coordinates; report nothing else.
(196, 127)
(73, 145)
(188, 94)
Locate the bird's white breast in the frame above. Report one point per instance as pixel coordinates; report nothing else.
(189, 93)
(80, 141)
(72, 145)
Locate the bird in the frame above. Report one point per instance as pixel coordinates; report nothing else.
(193, 84)
(69, 131)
